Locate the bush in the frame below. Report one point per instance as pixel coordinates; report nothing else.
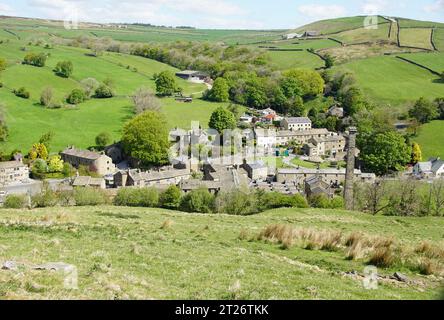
(22, 93)
(47, 198)
(89, 197)
(15, 201)
(274, 200)
(34, 59)
(236, 202)
(320, 201)
(199, 200)
(76, 96)
(337, 203)
(103, 139)
(104, 92)
(143, 197)
(64, 69)
(170, 198)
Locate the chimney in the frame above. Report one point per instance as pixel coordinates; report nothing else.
(350, 171)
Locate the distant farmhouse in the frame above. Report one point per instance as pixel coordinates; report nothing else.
(434, 168)
(13, 172)
(290, 36)
(193, 76)
(97, 162)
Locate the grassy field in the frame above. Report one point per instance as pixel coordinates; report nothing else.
(409, 23)
(431, 139)
(416, 37)
(123, 253)
(391, 81)
(364, 35)
(285, 60)
(438, 38)
(330, 26)
(304, 44)
(434, 61)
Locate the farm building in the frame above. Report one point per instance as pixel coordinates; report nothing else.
(97, 162)
(13, 172)
(315, 186)
(331, 145)
(193, 76)
(137, 178)
(256, 170)
(86, 181)
(290, 36)
(336, 111)
(271, 138)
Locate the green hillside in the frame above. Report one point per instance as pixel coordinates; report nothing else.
(124, 253)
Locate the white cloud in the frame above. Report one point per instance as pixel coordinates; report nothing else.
(165, 12)
(6, 9)
(437, 6)
(318, 11)
(375, 7)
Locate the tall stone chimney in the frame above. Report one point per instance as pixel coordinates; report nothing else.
(350, 171)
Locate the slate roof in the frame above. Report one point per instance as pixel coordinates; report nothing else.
(11, 164)
(84, 154)
(298, 120)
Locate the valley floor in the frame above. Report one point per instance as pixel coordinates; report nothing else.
(135, 253)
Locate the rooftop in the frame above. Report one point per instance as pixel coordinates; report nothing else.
(298, 120)
(85, 154)
(11, 164)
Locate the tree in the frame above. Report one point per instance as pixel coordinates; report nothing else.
(416, 153)
(439, 102)
(424, 111)
(219, 92)
(64, 69)
(89, 86)
(165, 83)
(3, 127)
(222, 119)
(35, 59)
(38, 151)
(145, 137)
(296, 107)
(55, 164)
(3, 64)
(385, 152)
(46, 139)
(199, 200)
(170, 198)
(145, 100)
(22, 93)
(353, 101)
(46, 97)
(235, 110)
(309, 82)
(329, 61)
(103, 139)
(104, 92)
(76, 96)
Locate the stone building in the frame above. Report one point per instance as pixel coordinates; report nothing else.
(13, 172)
(95, 161)
(296, 124)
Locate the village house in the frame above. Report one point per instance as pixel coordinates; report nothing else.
(272, 138)
(434, 168)
(336, 111)
(284, 188)
(296, 124)
(159, 178)
(257, 170)
(315, 186)
(94, 161)
(86, 181)
(13, 172)
(331, 176)
(311, 33)
(333, 145)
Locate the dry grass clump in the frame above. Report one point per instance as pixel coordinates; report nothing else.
(382, 257)
(356, 251)
(167, 224)
(427, 267)
(430, 250)
(330, 240)
(243, 234)
(354, 238)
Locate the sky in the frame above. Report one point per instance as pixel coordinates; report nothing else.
(230, 14)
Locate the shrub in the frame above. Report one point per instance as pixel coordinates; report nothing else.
(337, 203)
(103, 139)
(76, 96)
(35, 59)
(64, 69)
(199, 200)
(47, 198)
(236, 202)
(22, 93)
(427, 267)
(104, 92)
(170, 198)
(143, 197)
(89, 197)
(273, 200)
(13, 201)
(319, 201)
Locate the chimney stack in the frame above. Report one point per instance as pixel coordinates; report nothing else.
(350, 171)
